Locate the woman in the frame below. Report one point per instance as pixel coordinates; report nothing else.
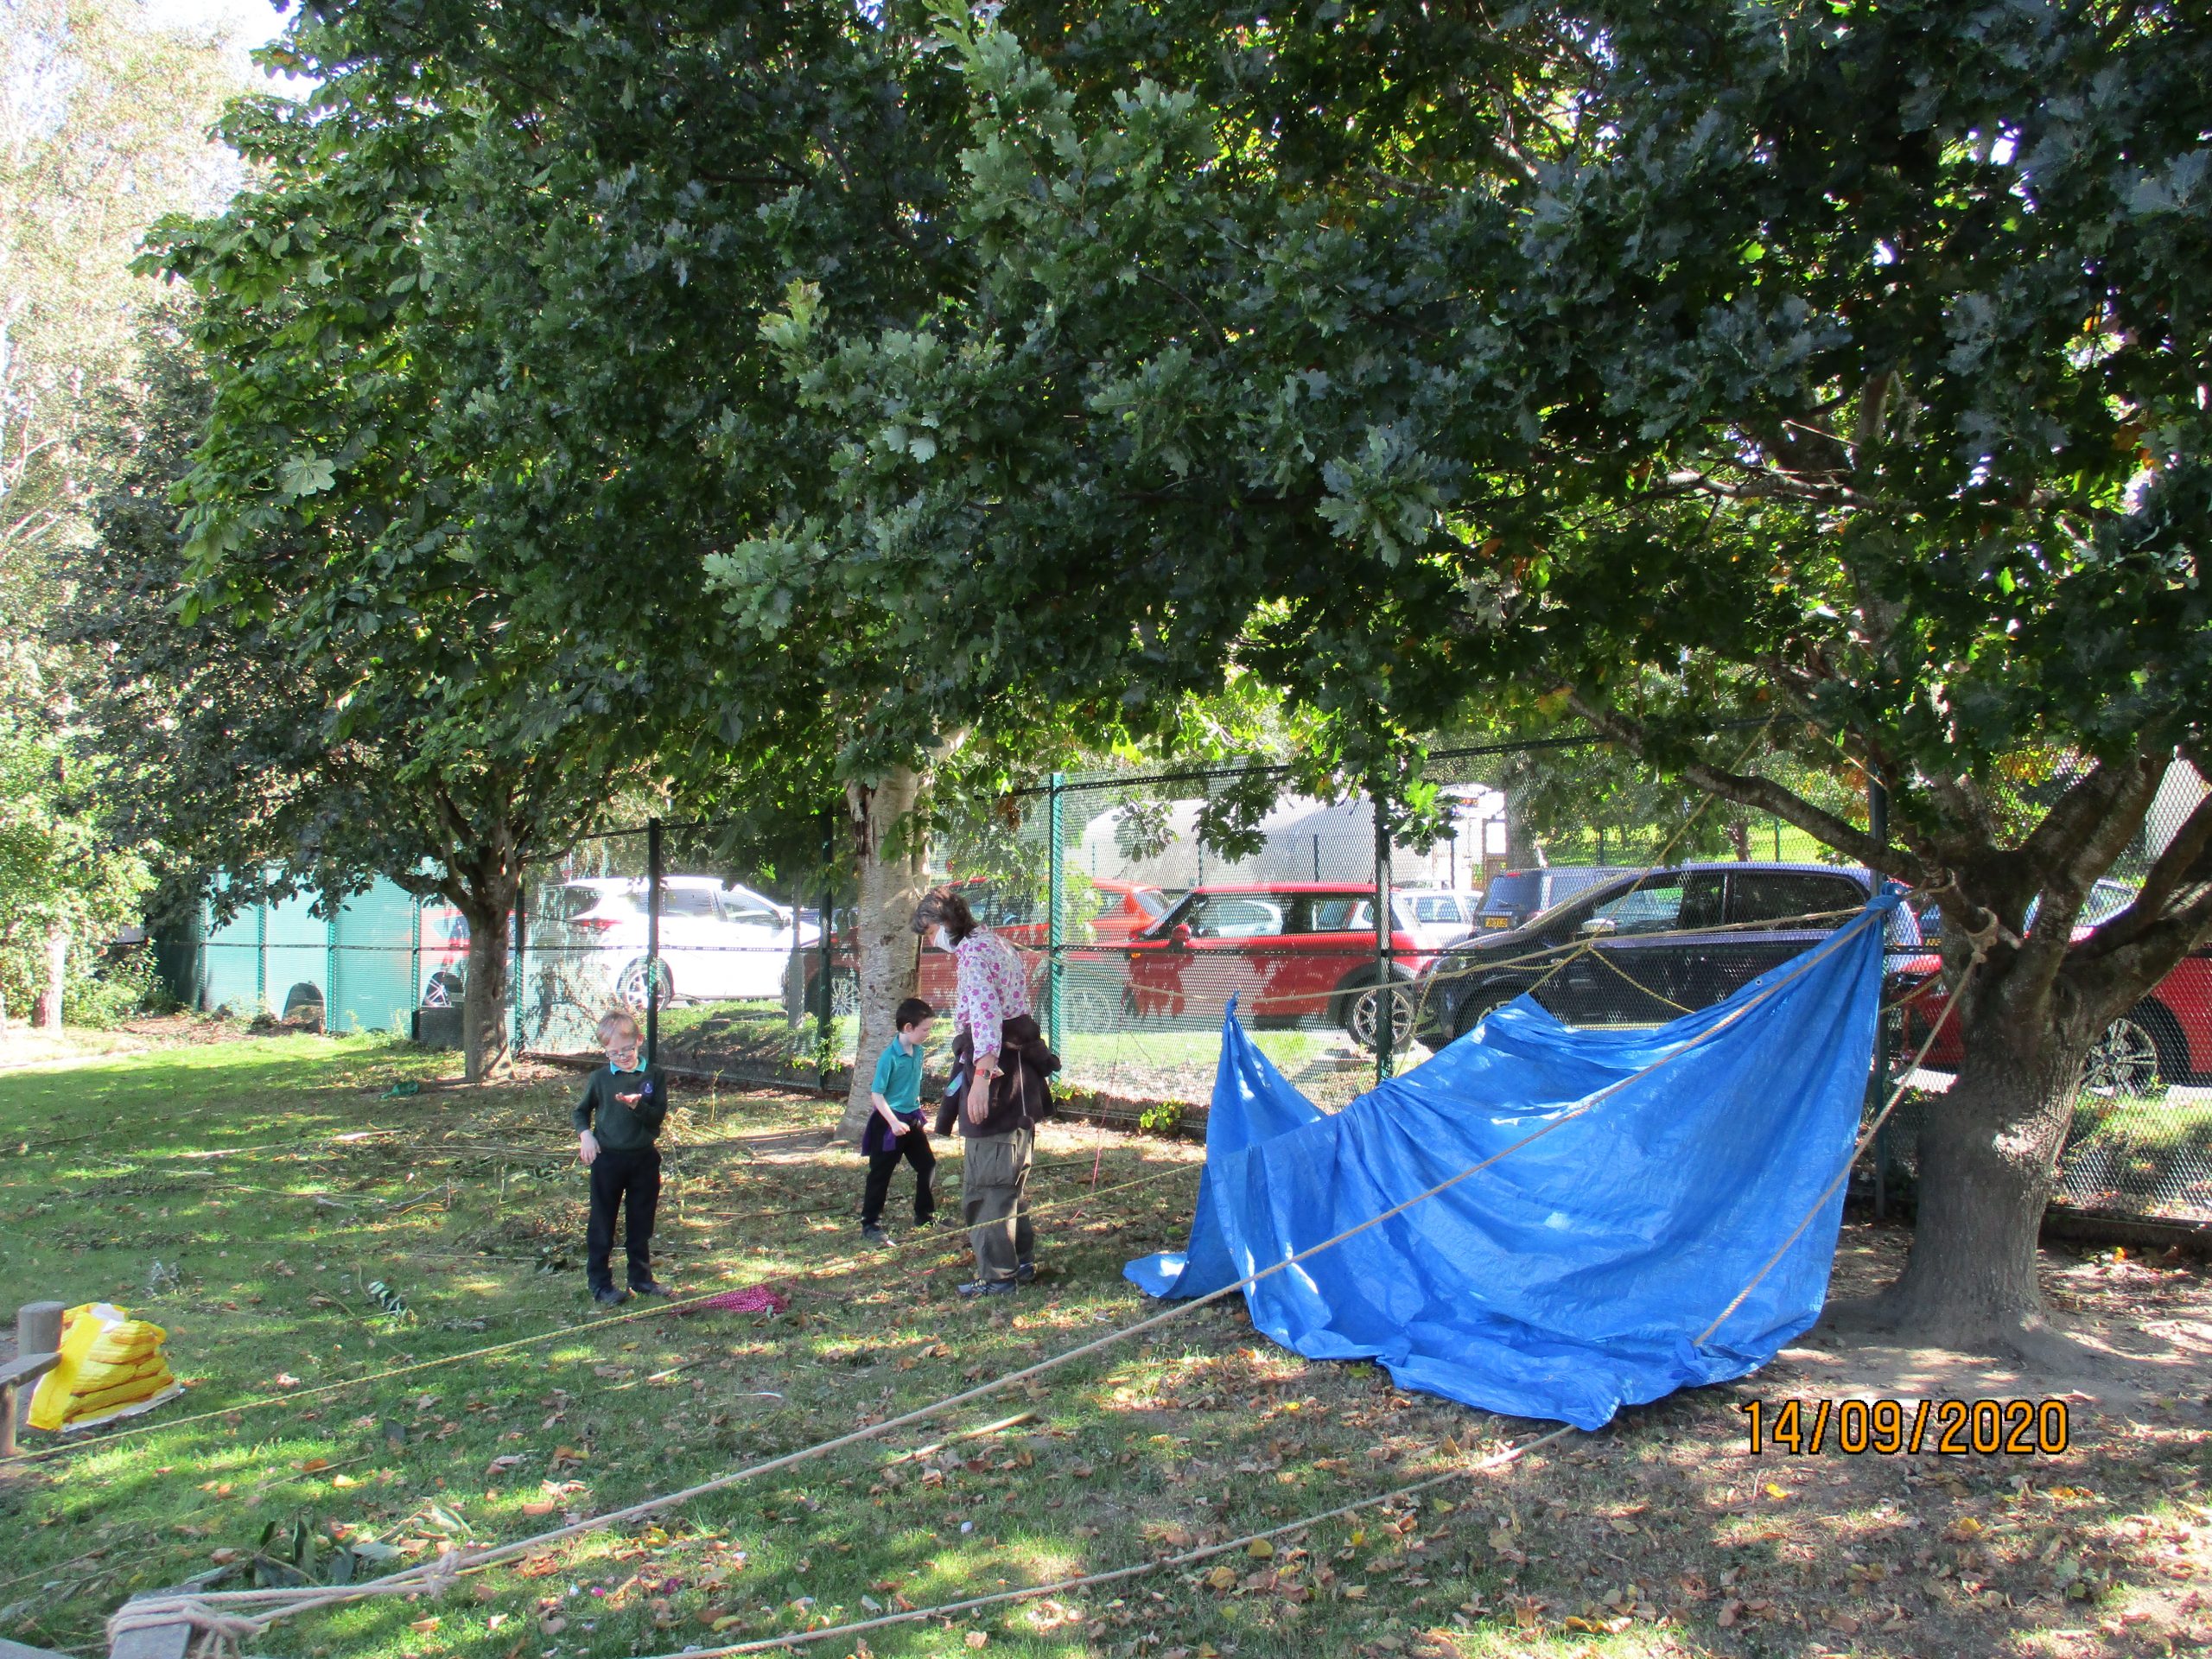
(998, 1048)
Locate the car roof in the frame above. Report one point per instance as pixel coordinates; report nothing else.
(1355, 889)
(638, 883)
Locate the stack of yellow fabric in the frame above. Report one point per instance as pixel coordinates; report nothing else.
(111, 1366)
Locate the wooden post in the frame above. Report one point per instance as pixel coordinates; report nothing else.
(38, 1338)
(151, 1641)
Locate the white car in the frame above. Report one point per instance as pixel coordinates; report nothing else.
(719, 941)
(1439, 916)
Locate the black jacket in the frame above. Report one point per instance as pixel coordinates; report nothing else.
(1020, 1095)
(619, 1128)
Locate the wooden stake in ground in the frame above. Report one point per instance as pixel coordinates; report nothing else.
(38, 1342)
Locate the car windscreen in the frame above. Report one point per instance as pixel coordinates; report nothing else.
(1174, 917)
(1584, 899)
(1151, 900)
(1514, 891)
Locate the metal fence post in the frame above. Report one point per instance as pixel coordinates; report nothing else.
(414, 973)
(1877, 826)
(330, 972)
(653, 940)
(1384, 1001)
(1056, 915)
(515, 965)
(261, 956)
(828, 990)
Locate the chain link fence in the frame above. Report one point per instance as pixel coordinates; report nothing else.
(1560, 871)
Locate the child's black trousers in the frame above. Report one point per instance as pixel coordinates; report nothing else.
(631, 1181)
(914, 1148)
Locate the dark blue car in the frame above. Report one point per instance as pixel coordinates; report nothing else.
(1659, 945)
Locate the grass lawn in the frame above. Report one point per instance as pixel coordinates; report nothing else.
(243, 1194)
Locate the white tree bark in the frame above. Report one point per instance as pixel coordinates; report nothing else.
(892, 859)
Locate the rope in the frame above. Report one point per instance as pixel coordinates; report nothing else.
(1857, 1151)
(283, 1602)
(1166, 1563)
(1660, 857)
(653, 1311)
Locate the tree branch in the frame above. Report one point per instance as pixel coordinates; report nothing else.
(2178, 879)
(1764, 795)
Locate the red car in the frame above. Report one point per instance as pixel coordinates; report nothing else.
(1290, 950)
(2165, 1039)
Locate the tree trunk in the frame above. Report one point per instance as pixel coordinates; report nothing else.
(1520, 852)
(893, 866)
(483, 999)
(46, 1013)
(1988, 1156)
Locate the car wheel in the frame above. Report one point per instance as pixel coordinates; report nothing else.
(2128, 1060)
(442, 991)
(844, 994)
(1363, 1015)
(1478, 1006)
(630, 985)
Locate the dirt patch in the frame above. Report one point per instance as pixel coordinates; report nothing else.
(2143, 1328)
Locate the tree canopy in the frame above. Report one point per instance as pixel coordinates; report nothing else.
(1662, 365)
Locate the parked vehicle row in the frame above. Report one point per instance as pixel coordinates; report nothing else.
(1597, 945)
(1655, 945)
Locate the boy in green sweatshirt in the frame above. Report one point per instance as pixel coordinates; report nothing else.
(617, 1122)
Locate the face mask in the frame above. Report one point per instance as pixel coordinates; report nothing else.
(943, 940)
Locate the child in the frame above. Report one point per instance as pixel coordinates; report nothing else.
(894, 1127)
(617, 1122)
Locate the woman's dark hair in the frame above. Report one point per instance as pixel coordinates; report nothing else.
(944, 905)
(959, 921)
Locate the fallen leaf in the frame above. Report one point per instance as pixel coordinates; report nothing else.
(1355, 1592)
(1221, 1579)
(1260, 1549)
(286, 1380)
(313, 1465)
(425, 1626)
(976, 1639)
(1729, 1610)
(552, 1624)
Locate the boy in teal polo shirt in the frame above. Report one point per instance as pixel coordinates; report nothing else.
(895, 1130)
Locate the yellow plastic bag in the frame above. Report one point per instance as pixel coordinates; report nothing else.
(111, 1366)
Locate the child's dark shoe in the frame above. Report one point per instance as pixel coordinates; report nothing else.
(610, 1297)
(988, 1287)
(1026, 1274)
(876, 1235)
(651, 1287)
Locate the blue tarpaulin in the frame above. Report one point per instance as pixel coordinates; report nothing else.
(1572, 1276)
